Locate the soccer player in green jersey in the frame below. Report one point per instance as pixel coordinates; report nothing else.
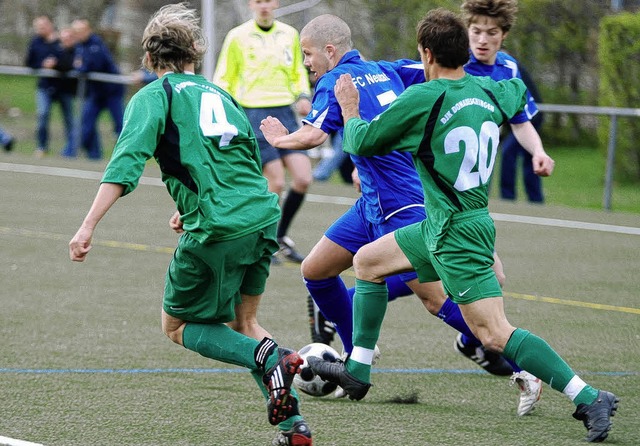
(210, 163)
(450, 124)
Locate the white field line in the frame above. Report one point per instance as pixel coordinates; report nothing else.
(327, 199)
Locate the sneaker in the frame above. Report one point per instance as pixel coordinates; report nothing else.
(493, 363)
(287, 251)
(298, 435)
(40, 153)
(530, 390)
(597, 416)
(322, 330)
(278, 380)
(336, 372)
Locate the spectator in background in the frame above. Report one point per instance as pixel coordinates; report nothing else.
(6, 140)
(46, 51)
(92, 55)
(67, 88)
(260, 64)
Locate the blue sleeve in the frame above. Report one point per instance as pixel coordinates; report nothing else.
(410, 71)
(325, 111)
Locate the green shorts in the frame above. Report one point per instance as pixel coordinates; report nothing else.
(463, 258)
(204, 280)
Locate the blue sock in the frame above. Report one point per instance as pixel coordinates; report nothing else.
(336, 305)
(395, 285)
(451, 315)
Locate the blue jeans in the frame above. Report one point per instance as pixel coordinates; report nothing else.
(44, 101)
(93, 105)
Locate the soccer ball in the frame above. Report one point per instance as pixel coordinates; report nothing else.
(307, 381)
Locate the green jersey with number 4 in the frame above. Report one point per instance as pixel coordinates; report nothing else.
(452, 129)
(207, 152)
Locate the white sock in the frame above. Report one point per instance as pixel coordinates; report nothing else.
(574, 387)
(362, 355)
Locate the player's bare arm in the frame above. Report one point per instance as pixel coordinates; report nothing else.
(80, 244)
(528, 138)
(348, 97)
(307, 137)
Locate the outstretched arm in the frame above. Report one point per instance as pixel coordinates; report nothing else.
(528, 138)
(80, 244)
(306, 137)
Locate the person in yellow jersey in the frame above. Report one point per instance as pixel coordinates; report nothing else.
(261, 66)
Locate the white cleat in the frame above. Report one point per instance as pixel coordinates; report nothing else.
(530, 390)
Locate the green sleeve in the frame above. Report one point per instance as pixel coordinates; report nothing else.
(144, 121)
(385, 133)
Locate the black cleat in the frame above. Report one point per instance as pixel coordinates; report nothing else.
(493, 363)
(322, 330)
(278, 379)
(298, 435)
(597, 416)
(287, 251)
(336, 372)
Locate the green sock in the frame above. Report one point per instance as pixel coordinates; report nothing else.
(534, 355)
(219, 342)
(369, 307)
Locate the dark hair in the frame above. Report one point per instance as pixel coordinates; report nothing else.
(445, 35)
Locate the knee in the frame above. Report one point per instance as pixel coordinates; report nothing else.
(276, 185)
(313, 268)
(301, 184)
(174, 333)
(364, 268)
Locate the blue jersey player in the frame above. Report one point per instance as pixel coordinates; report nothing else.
(391, 195)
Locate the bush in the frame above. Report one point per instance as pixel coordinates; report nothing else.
(619, 54)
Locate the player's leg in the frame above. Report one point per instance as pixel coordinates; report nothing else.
(372, 263)
(198, 284)
(532, 353)
(321, 273)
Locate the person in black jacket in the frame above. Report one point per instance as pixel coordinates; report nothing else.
(46, 51)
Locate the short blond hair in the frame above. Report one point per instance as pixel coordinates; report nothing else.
(173, 38)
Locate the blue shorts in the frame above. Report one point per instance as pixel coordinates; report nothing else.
(286, 116)
(352, 231)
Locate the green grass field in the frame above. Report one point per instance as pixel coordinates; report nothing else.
(83, 360)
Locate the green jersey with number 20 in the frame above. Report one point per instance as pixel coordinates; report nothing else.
(207, 152)
(452, 129)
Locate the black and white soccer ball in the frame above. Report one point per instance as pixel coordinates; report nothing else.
(307, 381)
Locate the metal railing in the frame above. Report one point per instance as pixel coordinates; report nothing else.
(612, 112)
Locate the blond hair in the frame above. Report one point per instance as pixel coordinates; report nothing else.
(173, 38)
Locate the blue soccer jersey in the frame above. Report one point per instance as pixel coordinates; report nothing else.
(390, 182)
(505, 67)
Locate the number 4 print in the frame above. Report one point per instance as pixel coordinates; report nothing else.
(213, 119)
